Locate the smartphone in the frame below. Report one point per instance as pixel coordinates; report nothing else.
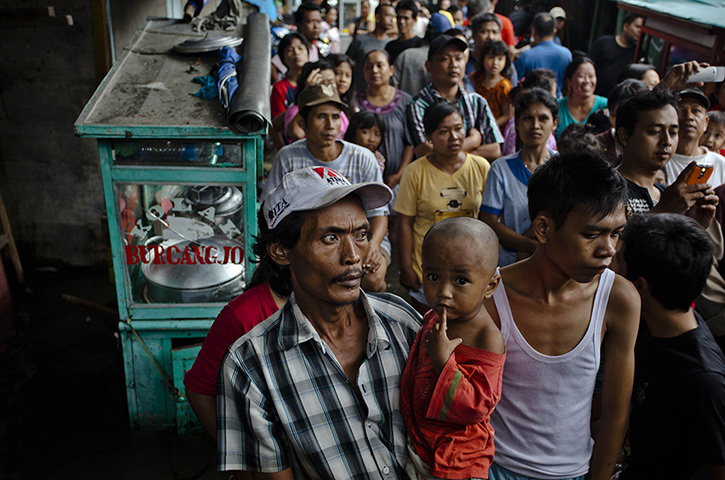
(701, 174)
(708, 74)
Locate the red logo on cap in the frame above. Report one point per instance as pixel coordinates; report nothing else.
(324, 172)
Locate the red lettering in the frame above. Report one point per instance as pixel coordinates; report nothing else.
(132, 257)
(237, 255)
(227, 249)
(198, 254)
(208, 254)
(157, 252)
(172, 255)
(145, 254)
(187, 258)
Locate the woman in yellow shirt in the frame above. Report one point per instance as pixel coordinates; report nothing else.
(445, 183)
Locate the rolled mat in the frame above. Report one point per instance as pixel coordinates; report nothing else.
(250, 111)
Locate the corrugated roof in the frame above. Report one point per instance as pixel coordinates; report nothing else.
(706, 12)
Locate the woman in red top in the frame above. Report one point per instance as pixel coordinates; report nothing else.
(266, 293)
(294, 51)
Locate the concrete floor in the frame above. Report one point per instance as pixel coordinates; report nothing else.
(63, 411)
(62, 396)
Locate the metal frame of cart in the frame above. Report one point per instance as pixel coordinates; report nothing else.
(145, 98)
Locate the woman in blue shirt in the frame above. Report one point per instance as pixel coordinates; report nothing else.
(580, 101)
(505, 206)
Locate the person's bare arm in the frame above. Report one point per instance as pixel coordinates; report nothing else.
(283, 475)
(204, 407)
(472, 141)
(295, 131)
(394, 179)
(274, 74)
(676, 77)
(408, 278)
(506, 236)
(489, 151)
(378, 228)
(507, 114)
(423, 149)
(621, 325)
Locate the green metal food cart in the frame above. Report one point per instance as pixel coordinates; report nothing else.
(180, 195)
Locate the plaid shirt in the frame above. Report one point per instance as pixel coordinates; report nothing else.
(474, 110)
(285, 402)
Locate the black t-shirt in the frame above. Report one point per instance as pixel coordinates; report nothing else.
(638, 198)
(678, 405)
(609, 60)
(396, 47)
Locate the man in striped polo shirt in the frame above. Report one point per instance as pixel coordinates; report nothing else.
(447, 66)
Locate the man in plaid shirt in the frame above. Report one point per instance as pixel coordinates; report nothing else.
(447, 66)
(312, 392)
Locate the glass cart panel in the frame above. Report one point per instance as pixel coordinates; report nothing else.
(180, 153)
(181, 243)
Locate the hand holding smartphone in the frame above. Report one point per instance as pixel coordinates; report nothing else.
(707, 75)
(701, 174)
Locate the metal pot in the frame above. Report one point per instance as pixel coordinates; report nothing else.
(227, 201)
(189, 278)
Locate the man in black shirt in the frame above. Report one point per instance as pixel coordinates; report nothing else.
(406, 13)
(648, 129)
(611, 53)
(677, 424)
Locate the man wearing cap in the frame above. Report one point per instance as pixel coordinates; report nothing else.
(447, 65)
(320, 109)
(545, 53)
(312, 392)
(647, 129)
(611, 53)
(559, 15)
(693, 105)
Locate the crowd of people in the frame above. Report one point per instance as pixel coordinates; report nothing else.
(557, 220)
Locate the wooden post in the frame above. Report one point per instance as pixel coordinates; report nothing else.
(101, 42)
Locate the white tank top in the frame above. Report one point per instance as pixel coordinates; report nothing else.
(542, 420)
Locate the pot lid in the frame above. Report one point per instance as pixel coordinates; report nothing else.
(196, 265)
(224, 199)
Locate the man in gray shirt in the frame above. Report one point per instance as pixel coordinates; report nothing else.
(320, 108)
(375, 40)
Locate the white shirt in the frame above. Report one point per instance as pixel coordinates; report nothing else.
(678, 163)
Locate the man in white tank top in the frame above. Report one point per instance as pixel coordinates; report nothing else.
(556, 310)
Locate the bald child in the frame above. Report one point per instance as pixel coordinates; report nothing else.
(452, 380)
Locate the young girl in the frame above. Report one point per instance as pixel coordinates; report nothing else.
(490, 82)
(343, 67)
(367, 130)
(445, 183)
(505, 202)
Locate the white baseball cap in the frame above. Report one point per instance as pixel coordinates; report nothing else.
(311, 188)
(558, 12)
